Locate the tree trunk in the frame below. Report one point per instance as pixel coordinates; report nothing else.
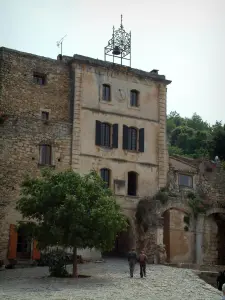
(75, 274)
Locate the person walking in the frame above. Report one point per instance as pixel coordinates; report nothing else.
(132, 259)
(142, 262)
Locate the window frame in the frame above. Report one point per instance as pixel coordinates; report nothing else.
(134, 103)
(43, 160)
(39, 79)
(130, 143)
(103, 172)
(46, 113)
(106, 135)
(183, 185)
(105, 97)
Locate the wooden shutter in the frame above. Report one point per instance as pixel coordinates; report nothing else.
(98, 133)
(141, 140)
(115, 136)
(125, 137)
(36, 255)
(13, 236)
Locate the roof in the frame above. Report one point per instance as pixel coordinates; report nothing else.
(109, 65)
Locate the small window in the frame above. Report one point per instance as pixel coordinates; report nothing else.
(105, 175)
(45, 115)
(185, 180)
(45, 155)
(106, 95)
(39, 79)
(132, 184)
(134, 98)
(132, 138)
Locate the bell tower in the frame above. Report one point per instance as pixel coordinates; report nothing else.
(119, 46)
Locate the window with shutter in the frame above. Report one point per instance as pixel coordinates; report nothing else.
(134, 98)
(132, 138)
(105, 135)
(45, 155)
(105, 175)
(106, 94)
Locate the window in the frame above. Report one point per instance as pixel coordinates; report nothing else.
(106, 135)
(45, 155)
(105, 175)
(39, 78)
(45, 115)
(132, 184)
(134, 98)
(133, 139)
(185, 180)
(106, 95)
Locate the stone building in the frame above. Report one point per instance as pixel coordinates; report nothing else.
(80, 113)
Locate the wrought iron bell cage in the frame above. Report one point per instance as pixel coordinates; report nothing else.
(119, 46)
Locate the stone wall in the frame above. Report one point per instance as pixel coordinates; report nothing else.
(20, 135)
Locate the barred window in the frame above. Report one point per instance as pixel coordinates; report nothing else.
(106, 93)
(134, 98)
(45, 155)
(105, 175)
(132, 138)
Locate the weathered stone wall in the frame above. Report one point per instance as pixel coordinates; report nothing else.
(20, 136)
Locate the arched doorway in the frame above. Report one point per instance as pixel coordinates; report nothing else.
(214, 239)
(178, 236)
(123, 243)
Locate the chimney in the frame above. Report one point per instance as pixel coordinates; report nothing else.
(154, 71)
(59, 57)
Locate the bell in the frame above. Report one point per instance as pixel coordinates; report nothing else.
(116, 50)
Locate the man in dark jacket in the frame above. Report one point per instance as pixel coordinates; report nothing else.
(132, 259)
(142, 261)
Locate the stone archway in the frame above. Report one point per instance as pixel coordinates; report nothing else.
(178, 235)
(214, 237)
(124, 242)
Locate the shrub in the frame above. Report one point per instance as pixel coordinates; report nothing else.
(57, 260)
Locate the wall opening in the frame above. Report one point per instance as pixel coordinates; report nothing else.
(123, 243)
(23, 250)
(214, 239)
(132, 183)
(178, 237)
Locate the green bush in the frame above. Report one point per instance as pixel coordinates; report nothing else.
(57, 261)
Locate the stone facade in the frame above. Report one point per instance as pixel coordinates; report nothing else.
(68, 92)
(194, 239)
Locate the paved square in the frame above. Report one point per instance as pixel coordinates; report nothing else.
(109, 281)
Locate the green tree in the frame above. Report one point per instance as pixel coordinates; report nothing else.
(70, 210)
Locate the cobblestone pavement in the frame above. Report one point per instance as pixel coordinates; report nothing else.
(110, 280)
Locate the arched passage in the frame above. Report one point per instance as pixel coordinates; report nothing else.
(214, 237)
(123, 243)
(178, 236)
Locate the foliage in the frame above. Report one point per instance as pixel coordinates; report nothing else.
(193, 137)
(145, 213)
(57, 261)
(162, 196)
(197, 204)
(70, 210)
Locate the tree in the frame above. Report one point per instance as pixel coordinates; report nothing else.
(70, 210)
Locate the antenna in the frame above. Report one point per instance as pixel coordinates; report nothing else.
(59, 43)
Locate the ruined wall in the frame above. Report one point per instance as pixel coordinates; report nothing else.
(23, 100)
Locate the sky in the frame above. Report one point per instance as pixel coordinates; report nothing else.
(184, 40)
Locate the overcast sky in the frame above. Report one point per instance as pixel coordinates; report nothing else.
(185, 40)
